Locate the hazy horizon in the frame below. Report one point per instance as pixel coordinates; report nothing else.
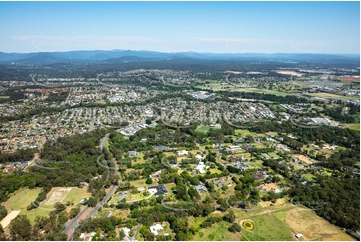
(202, 27)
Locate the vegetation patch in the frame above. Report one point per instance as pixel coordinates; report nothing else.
(248, 225)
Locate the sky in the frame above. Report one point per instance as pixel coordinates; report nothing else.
(215, 27)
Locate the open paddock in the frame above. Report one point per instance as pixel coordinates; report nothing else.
(57, 194)
(290, 73)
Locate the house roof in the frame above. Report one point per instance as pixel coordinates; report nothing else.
(161, 189)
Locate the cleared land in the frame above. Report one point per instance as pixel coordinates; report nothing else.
(6, 221)
(330, 95)
(283, 220)
(57, 194)
(291, 73)
(313, 227)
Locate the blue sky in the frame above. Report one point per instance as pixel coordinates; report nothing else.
(217, 27)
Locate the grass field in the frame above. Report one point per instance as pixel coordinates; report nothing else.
(283, 220)
(308, 177)
(266, 91)
(272, 133)
(4, 97)
(139, 183)
(204, 129)
(330, 95)
(312, 226)
(21, 199)
(267, 227)
(273, 155)
(219, 232)
(245, 132)
(354, 126)
(77, 194)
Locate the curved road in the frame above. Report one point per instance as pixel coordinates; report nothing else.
(72, 225)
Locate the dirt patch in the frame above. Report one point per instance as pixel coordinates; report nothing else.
(312, 226)
(6, 221)
(57, 194)
(291, 73)
(217, 212)
(234, 72)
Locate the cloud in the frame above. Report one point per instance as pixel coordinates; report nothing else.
(63, 43)
(312, 46)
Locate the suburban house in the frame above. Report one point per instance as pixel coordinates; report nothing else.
(201, 188)
(268, 187)
(220, 182)
(126, 233)
(155, 176)
(87, 236)
(133, 154)
(182, 152)
(248, 147)
(198, 157)
(259, 175)
(9, 167)
(158, 190)
(241, 165)
(156, 228)
(201, 167)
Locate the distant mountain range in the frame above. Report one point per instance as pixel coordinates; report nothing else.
(121, 56)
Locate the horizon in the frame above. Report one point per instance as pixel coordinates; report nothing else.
(179, 52)
(173, 27)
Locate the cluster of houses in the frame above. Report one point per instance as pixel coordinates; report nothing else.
(13, 166)
(202, 95)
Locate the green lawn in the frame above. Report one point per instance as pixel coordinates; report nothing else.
(273, 155)
(77, 194)
(308, 177)
(245, 132)
(218, 231)
(106, 145)
(354, 126)
(204, 129)
(21, 199)
(268, 227)
(139, 183)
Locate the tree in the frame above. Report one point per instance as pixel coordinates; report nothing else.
(92, 202)
(73, 212)
(148, 121)
(59, 207)
(229, 217)
(121, 234)
(235, 228)
(3, 212)
(20, 228)
(149, 180)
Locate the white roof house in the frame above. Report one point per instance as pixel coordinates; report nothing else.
(299, 235)
(156, 228)
(198, 157)
(182, 152)
(201, 167)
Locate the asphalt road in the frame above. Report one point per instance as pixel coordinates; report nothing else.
(72, 225)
